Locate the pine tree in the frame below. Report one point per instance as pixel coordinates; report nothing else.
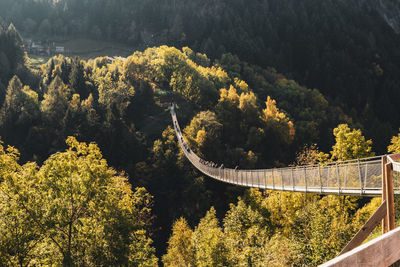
(209, 242)
(77, 79)
(14, 48)
(10, 111)
(180, 250)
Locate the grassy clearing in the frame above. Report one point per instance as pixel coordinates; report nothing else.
(35, 61)
(88, 48)
(85, 49)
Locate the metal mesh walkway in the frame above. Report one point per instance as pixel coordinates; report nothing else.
(353, 177)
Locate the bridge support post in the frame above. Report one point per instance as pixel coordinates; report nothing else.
(384, 198)
(388, 223)
(389, 196)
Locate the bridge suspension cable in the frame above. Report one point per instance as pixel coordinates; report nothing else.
(352, 177)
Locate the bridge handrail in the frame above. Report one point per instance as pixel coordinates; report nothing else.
(381, 251)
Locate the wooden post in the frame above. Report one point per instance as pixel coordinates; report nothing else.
(385, 220)
(390, 196)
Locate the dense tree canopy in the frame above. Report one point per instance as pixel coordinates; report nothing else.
(72, 210)
(70, 207)
(277, 228)
(346, 49)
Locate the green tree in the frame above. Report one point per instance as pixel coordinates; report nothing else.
(114, 95)
(310, 155)
(56, 101)
(172, 69)
(322, 228)
(284, 208)
(350, 144)
(180, 250)
(11, 106)
(394, 146)
(204, 133)
(8, 161)
(279, 131)
(209, 242)
(247, 229)
(273, 118)
(5, 69)
(19, 111)
(248, 106)
(228, 112)
(80, 210)
(13, 47)
(77, 79)
(19, 232)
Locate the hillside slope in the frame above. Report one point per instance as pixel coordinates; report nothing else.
(348, 50)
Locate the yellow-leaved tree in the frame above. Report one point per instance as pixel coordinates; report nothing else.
(203, 134)
(394, 146)
(72, 210)
(209, 242)
(180, 246)
(350, 144)
(274, 119)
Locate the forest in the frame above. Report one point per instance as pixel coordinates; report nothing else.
(348, 50)
(92, 173)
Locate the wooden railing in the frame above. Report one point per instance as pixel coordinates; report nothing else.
(380, 252)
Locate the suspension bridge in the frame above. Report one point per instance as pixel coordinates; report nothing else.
(373, 176)
(352, 177)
